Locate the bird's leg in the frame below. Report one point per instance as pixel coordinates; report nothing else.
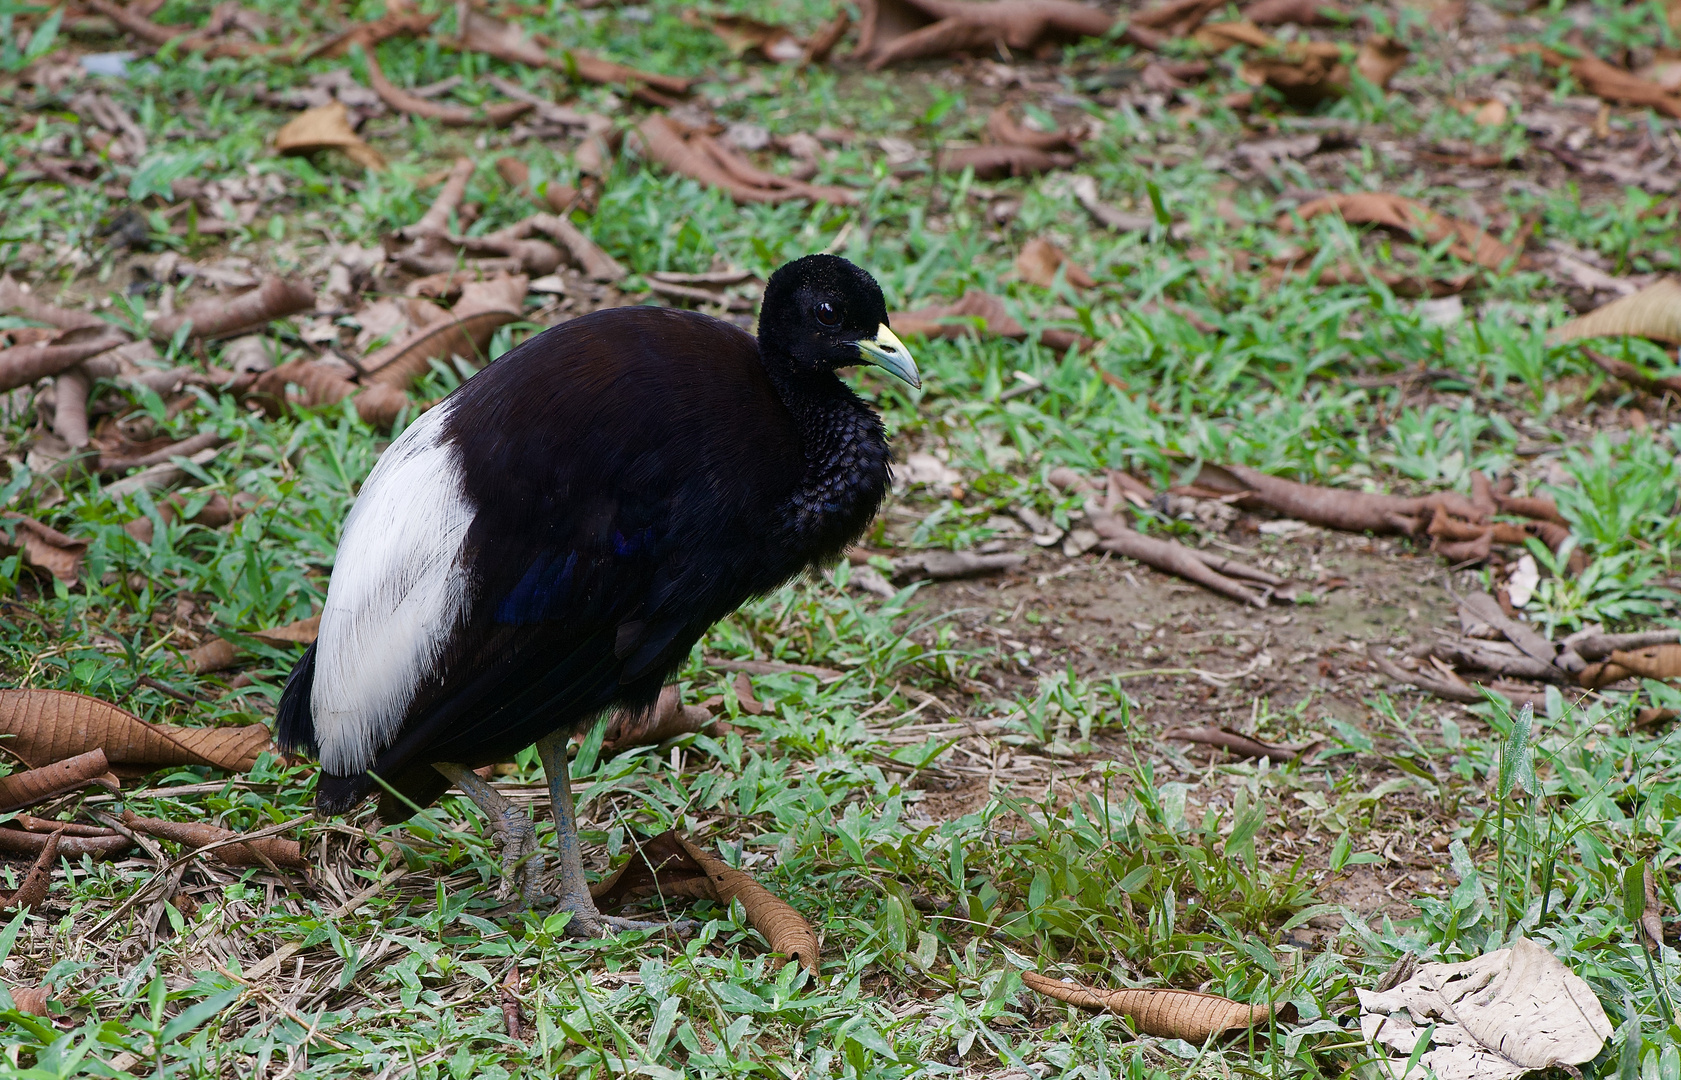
(573, 891)
(522, 864)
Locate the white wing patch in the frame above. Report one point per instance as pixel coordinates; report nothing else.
(398, 590)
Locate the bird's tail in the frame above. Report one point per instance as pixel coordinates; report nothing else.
(294, 727)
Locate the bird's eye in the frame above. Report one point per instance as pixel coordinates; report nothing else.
(828, 314)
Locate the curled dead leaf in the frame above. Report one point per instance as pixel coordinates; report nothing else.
(32, 891)
(1006, 131)
(669, 719)
(1653, 312)
(1300, 12)
(1380, 59)
(1335, 508)
(1040, 260)
(1170, 1014)
(670, 865)
(43, 546)
(51, 725)
(214, 317)
(1408, 217)
(302, 632)
(23, 789)
(484, 306)
(995, 162)
(493, 37)
(394, 23)
(498, 115)
(699, 156)
(31, 999)
(326, 127)
(742, 35)
(104, 844)
(1500, 1016)
(193, 834)
(1660, 662)
(1608, 81)
(892, 31)
(17, 300)
(21, 365)
(1238, 743)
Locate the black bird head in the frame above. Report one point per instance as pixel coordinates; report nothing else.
(821, 313)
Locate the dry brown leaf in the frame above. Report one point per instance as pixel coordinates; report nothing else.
(116, 464)
(505, 41)
(976, 313)
(1040, 260)
(22, 365)
(892, 31)
(1489, 113)
(697, 155)
(1609, 81)
(669, 719)
(1634, 376)
(1380, 59)
(302, 632)
(819, 45)
(1300, 12)
(596, 264)
(1334, 508)
(33, 889)
(1169, 1014)
(1212, 572)
(1175, 19)
(484, 306)
(377, 405)
(326, 127)
(104, 844)
(1238, 743)
(742, 35)
(1653, 312)
(45, 547)
(214, 317)
(31, 999)
(23, 789)
(498, 115)
(996, 162)
(750, 705)
(212, 515)
(51, 725)
(1005, 130)
(189, 40)
(1305, 75)
(669, 865)
(1218, 37)
(1653, 662)
(193, 834)
(1411, 218)
(1651, 915)
(15, 299)
(701, 157)
(216, 654)
(392, 24)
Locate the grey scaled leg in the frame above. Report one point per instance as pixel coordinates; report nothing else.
(522, 864)
(573, 891)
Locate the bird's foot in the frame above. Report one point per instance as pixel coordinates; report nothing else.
(589, 924)
(522, 862)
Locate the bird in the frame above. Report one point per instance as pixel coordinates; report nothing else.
(549, 541)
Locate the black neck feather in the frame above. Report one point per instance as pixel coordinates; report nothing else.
(846, 457)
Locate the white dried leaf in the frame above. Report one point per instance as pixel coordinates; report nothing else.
(1507, 1013)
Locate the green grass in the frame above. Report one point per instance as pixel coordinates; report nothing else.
(1114, 858)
